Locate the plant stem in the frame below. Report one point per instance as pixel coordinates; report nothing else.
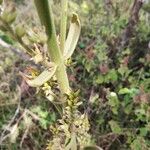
(63, 24)
(15, 37)
(45, 14)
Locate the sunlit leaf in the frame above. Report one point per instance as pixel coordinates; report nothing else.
(73, 36)
(45, 76)
(124, 91)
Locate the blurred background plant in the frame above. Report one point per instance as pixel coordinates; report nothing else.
(115, 86)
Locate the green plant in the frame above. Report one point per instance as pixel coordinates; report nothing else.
(115, 85)
(53, 61)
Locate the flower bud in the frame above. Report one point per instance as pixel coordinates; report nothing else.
(20, 31)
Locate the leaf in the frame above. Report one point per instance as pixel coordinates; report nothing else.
(41, 79)
(115, 127)
(43, 123)
(113, 75)
(137, 144)
(124, 91)
(143, 131)
(72, 37)
(53, 117)
(100, 79)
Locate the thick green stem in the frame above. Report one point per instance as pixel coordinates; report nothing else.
(63, 25)
(47, 19)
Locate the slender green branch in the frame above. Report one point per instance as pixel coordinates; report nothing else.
(63, 25)
(15, 37)
(46, 16)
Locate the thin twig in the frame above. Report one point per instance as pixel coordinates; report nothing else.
(24, 136)
(9, 28)
(3, 136)
(18, 52)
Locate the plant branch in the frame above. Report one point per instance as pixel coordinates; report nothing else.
(15, 37)
(46, 16)
(17, 51)
(64, 8)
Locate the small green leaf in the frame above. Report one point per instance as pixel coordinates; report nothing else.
(115, 127)
(113, 75)
(43, 123)
(143, 131)
(43, 114)
(42, 78)
(100, 79)
(137, 144)
(53, 117)
(124, 91)
(72, 37)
